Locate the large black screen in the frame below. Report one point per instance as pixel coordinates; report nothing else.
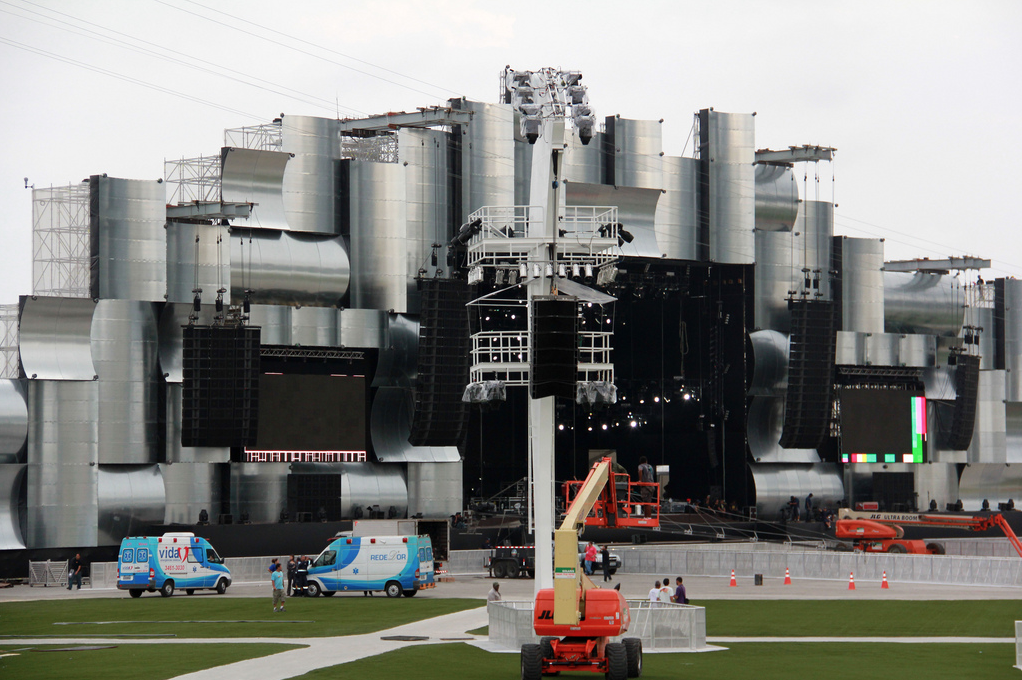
(882, 426)
(311, 413)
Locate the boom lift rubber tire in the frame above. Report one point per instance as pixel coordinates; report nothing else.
(189, 591)
(633, 650)
(936, 549)
(410, 593)
(546, 649)
(532, 662)
(136, 592)
(897, 549)
(221, 586)
(167, 589)
(312, 589)
(393, 589)
(617, 661)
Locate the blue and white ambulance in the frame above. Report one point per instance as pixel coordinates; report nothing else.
(167, 562)
(397, 565)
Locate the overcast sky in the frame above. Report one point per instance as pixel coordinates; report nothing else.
(922, 98)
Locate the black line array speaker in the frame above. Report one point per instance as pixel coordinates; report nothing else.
(312, 494)
(554, 347)
(220, 390)
(807, 403)
(440, 416)
(963, 420)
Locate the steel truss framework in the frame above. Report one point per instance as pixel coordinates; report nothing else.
(193, 180)
(60, 241)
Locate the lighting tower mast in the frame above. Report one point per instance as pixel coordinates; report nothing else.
(539, 245)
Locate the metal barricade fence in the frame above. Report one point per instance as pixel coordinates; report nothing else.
(48, 573)
(1018, 645)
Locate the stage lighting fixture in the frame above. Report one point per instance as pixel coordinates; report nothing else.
(535, 271)
(523, 271)
(589, 272)
(575, 271)
(562, 271)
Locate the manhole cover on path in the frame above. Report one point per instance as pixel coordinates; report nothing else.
(405, 638)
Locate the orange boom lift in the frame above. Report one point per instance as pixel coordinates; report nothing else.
(883, 532)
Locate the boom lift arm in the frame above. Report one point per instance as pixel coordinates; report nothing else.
(570, 583)
(853, 524)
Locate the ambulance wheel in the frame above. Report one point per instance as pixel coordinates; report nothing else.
(329, 593)
(532, 662)
(633, 650)
(190, 591)
(312, 589)
(167, 589)
(410, 593)
(135, 593)
(393, 589)
(617, 661)
(221, 586)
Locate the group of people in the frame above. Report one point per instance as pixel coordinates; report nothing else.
(589, 560)
(813, 512)
(663, 593)
(297, 579)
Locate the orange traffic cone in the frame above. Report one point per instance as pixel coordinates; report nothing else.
(733, 581)
(883, 584)
(851, 581)
(787, 577)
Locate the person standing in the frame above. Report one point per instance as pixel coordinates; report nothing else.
(654, 595)
(292, 572)
(666, 594)
(74, 572)
(809, 508)
(590, 558)
(605, 559)
(302, 572)
(494, 594)
(680, 596)
(277, 581)
(646, 477)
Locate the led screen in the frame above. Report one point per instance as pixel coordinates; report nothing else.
(311, 413)
(882, 426)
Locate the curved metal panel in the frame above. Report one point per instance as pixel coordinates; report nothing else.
(390, 425)
(398, 362)
(775, 484)
(732, 187)
(191, 488)
(127, 225)
(55, 338)
(1013, 337)
(923, 303)
(862, 284)
(488, 157)
(850, 349)
(676, 220)
(125, 351)
(63, 449)
(314, 327)
(424, 156)
(770, 363)
(12, 490)
(281, 268)
(260, 489)
(275, 322)
(637, 149)
(435, 489)
(171, 337)
(131, 498)
(363, 328)
(766, 420)
(175, 453)
(379, 277)
(13, 421)
(774, 276)
(776, 198)
(365, 484)
(255, 176)
(581, 162)
(995, 482)
(310, 179)
(814, 247)
(636, 211)
(197, 254)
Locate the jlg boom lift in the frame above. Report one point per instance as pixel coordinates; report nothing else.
(883, 532)
(576, 619)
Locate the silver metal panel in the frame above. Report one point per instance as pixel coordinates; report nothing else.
(775, 274)
(923, 303)
(131, 498)
(310, 179)
(175, 453)
(314, 327)
(274, 322)
(128, 224)
(775, 484)
(765, 422)
(435, 489)
(581, 162)
(398, 362)
(366, 484)
(191, 488)
(12, 483)
(776, 198)
(55, 338)
(255, 176)
(1013, 432)
(882, 349)
(363, 328)
(488, 157)
(989, 439)
(125, 351)
(850, 349)
(862, 284)
(676, 220)
(732, 187)
(994, 482)
(379, 277)
(13, 421)
(814, 245)
(424, 158)
(770, 363)
(638, 146)
(1013, 338)
(62, 455)
(636, 210)
(917, 350)
(983, 317)
(260, 489)
(282, 268)
(171, 337)
(206, 262)
(390, 425)
(523, 164)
